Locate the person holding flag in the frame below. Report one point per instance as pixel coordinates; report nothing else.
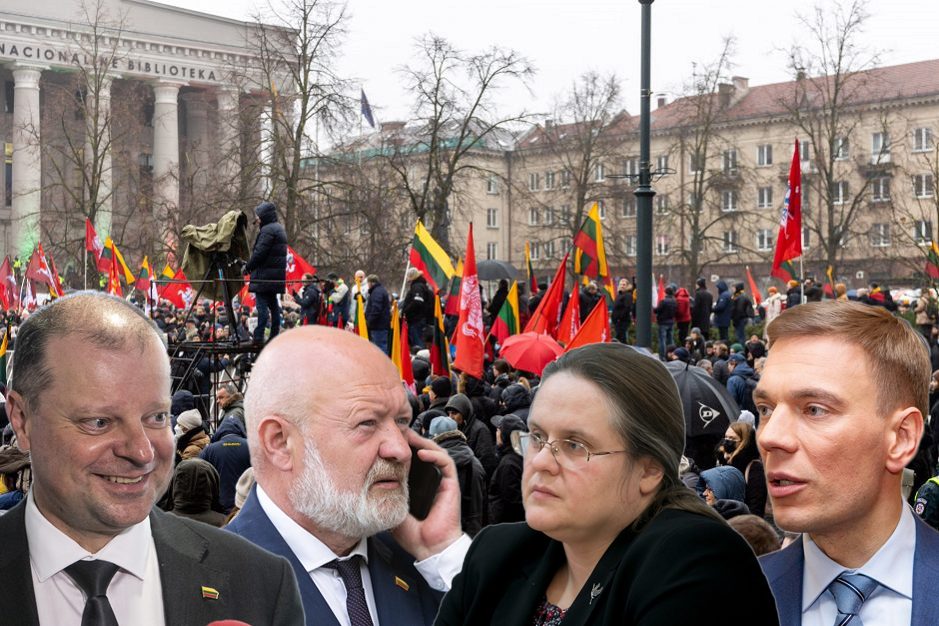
(268, 269)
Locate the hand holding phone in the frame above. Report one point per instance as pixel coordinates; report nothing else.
(423, 481)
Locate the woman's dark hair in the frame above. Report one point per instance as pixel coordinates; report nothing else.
(646, 412)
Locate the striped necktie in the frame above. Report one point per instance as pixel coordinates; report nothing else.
(850, 592)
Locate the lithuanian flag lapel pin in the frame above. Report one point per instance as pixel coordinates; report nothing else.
(401, 583)
(208, 593)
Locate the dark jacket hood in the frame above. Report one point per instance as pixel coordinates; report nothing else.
(462, 404)
(721, 285)
(726, 482)
(182, 401)
(195, 486)
(266, 212)
(515, 396)
(230, 426)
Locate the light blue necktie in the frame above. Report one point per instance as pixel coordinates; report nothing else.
(850, 592)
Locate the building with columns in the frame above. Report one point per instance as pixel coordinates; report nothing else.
(127, 110)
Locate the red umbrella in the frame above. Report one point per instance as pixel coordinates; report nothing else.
(530, 351)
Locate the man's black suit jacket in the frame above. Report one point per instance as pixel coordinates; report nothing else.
(682, 568)
(253, 585)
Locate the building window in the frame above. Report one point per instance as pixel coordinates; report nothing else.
(661, 245)
(764, 198)
(631, 167)
(728, 201)
(730, 241)
(630, 243)
(535, 250)
(839, 192)
(880, 148)
(630, 206)
(661, 204)
(549, 216)
(923, 186)
(492, 218)
(145, 161)
(492, 250)
(662, 163)
(9, 89)
(764, 239)
(695, 163)
(8, 174)
(764, 154)
(694, 201)
(922, 139)
(534, 182)
(565, 179)
(880, 189)
(842, 148)
(880, 235)
(730, 161)
(549, 249)
(922, 232)
(492, 184)
(565, 214)
(601, 207)
(549, 180)
(805, 150)
(599, 174)
(533, 215)
(806, 238)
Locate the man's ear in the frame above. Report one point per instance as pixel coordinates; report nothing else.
(904, 431)
(15, 408)
(280, 442)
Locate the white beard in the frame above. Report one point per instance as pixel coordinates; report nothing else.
(350, 514)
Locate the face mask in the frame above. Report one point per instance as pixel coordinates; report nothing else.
(729, 445)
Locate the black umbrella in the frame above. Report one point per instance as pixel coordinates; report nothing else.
(709, 408)
(495, 270)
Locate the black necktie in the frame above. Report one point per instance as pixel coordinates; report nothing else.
(94, 577)
(351, 574)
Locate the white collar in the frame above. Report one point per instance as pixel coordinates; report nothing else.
(891, 565)
(51, 550)
(309, 550)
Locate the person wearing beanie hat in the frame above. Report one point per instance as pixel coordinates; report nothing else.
(478, 435)
(701, 304)
(723, 308)
(191, 437)
(440, 391)
(267, 268)
(665, 312)
(505, 487)
(470, 473)
(681, 354)
(793, 294)
(243, 487)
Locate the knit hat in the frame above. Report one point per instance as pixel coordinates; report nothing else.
(243, 487)
(189, 419)
(441, 387)
(413, 273)
(442, 425)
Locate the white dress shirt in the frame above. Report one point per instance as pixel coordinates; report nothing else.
(891, 604)
(438, 570)
(135, 592)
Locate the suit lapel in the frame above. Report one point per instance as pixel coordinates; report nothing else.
(784, 570)
(17, 596)
(181, 552)
(253, 524)
(396, 593)
(925, 575)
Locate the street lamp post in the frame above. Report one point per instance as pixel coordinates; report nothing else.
(644, 192)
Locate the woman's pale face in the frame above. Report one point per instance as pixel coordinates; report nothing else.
(598, 499)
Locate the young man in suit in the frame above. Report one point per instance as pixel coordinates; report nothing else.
(89, 398)
(328, 431)
(841, 402)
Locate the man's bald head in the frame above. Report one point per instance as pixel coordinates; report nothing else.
(101, 319)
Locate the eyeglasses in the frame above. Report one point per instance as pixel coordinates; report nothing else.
(569, 454)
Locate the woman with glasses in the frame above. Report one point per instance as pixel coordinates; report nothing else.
(611, 535)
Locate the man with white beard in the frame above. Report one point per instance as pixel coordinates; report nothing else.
(327, 421)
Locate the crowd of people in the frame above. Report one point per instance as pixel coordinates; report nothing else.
(574, 496)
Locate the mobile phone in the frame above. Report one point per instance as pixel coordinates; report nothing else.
(423, 480)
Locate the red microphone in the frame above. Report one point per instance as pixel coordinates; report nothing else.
(228, 622)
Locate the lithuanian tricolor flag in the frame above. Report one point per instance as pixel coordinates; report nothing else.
(932, 261)
(440, 348)
(143, 276)
(115, 253)
(532, 279)
(427, 256)
(453, 295)
(507, 323)
(787, 271)
(589, 254)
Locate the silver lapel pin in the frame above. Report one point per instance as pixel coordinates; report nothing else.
(595, 591)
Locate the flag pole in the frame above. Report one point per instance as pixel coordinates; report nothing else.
(85, 272)
(404, 281)
(802, 279)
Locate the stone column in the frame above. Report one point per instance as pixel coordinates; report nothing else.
(229, 150)
(27, 160)
(197, 139)
(165, 149)
(98, 144)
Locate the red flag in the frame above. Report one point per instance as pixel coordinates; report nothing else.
(7, 284)
(469, 335)
(660, 292)
(55, 277)
(789, 241)
(38, 269)
(545, 317)
(296, 268)
(245, 297)
(570, 320)
(407, 371)
(93, 244)
(178, 291)
(757, 296)
(596, 328)
(114, 281)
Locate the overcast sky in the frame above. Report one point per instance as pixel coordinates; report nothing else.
(564, 38)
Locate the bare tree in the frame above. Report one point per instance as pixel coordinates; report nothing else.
(455, 117)
(831, 82)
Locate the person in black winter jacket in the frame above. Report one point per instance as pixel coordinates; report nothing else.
(229, 455)
(741, 312)
(310, 300)
(517, 400)
(417, 307)
(268, 268)
(701, 308)
(469, 471)
(460, 409)
(622, 311)
(378, 313)
(505, 487)
(722, 309)
(665, 318)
